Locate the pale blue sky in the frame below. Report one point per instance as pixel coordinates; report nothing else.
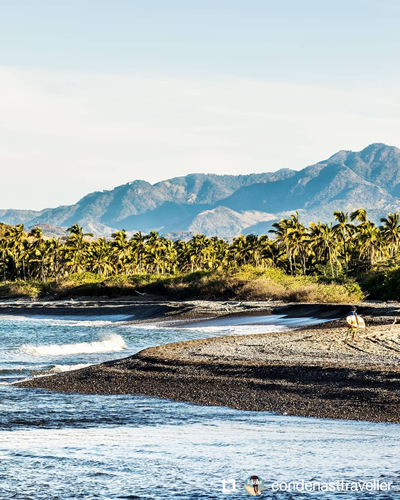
(304, 41)
(96, 93)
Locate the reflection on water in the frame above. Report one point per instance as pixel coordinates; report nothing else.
(82, 446)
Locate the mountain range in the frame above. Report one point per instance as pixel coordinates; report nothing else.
(228, 205)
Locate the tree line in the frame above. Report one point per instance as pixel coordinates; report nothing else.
(350, 243)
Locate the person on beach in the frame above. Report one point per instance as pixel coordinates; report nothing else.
(352, 329)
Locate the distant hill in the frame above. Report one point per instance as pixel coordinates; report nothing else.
(12, 217)
(370, 178)
(50, 231)
(139, 205)
(228, 205)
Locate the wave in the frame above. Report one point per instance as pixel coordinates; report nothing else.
(113, 343)
(68, 368)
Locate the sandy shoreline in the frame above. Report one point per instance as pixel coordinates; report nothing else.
(310, 372)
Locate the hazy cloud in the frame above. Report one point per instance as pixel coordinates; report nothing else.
(64, 134)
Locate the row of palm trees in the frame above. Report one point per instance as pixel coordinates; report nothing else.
(350, 243)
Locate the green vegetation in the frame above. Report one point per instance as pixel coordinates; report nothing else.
(246, 283)
(321, 263)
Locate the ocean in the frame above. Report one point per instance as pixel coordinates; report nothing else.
(73, 446)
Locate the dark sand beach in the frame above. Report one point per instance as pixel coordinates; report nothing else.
(305, 372)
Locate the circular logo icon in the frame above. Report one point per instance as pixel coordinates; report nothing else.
(254, 486)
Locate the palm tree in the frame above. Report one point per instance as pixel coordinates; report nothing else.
(359, 215)
(39, 251)
(297, 240)
(99, 257)
(273, 254)
(56, 255)
(183, 258)
(16, 238)
(4, 254)
(252, 249)
(370, 241)
(35, 244)
(138, 248)
(391, 231)
(155, 246)
(170, 254)
(219, 255)
(76, 246)
(120, 250)
(343, 231)
(200, 251)
(323, 240)
(281, 230)
(238, 250)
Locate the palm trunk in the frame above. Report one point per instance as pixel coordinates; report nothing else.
(290, 259)
(345, 257)
(4, 266)
(331, 263)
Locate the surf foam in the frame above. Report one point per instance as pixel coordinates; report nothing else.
(68, 368)
(113, 343)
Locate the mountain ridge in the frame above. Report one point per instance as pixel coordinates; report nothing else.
(227, 205)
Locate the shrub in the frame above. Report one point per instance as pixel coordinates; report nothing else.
(382, 284)
(249, 283)
(21, 289)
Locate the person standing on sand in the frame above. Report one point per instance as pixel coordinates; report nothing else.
(352, 329)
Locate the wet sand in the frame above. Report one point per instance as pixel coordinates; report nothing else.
(312, 372)
(144, 309)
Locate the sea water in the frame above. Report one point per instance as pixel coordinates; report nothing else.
(72, 446)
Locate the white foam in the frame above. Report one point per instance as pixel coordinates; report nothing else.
(251, 321)
(227, 330)
(68, 368)
(52, 371)
(70, 320)
(236, 325)
(113, 343)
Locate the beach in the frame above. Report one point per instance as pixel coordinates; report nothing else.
(309, 372)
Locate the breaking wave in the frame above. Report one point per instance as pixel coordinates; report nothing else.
(113, 343)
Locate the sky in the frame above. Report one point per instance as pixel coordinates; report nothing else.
(96, 93)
